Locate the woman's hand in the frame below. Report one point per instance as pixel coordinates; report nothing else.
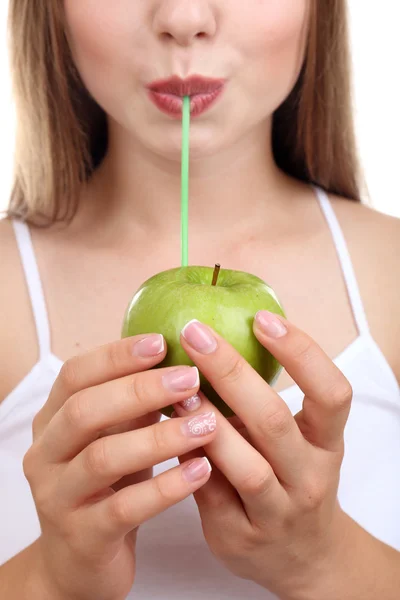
(98, 427)
(270, 509)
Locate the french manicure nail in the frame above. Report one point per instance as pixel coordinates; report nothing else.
(200, 425)
(199, 337)
(191, 404)
(181, 379)
(196, 469)
(270, 324)
(149, 346)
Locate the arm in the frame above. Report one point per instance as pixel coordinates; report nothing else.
(21, 579)
(365, 568)
(361, 568)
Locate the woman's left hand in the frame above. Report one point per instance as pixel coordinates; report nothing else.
(270, 510)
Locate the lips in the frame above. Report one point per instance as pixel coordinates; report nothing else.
(186, 87)
(168, 94)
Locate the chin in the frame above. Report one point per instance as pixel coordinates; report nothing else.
(204, 142)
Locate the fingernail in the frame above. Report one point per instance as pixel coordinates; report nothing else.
(179, 380)
(199, 337)
(196, 469)
(191, 404)
(200, 425)
(149, 346)
(270, 324)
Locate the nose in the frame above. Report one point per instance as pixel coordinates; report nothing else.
(184, 20)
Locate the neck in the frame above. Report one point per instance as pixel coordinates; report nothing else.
(136, 189)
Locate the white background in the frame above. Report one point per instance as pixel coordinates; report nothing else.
(376, 58)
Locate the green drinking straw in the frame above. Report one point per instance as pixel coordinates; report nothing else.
(185, 182)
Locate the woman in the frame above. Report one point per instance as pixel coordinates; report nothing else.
(94, 212)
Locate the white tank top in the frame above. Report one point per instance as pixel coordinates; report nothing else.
(174, 562)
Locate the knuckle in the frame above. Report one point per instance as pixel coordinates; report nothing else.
(226, 541)
(120, 510)
(42, 488)
(43, 495)
(29, 464)
(37, 425)
(314, 494)
(44, 502)
(69, 374)
(76, 410)
(158, 439)
(139, 390)
(232, 370)
(304, 350)
(275, 423)
(341, 395)
(95, 458)
(163, 490)
(257, 483)
(113, 356)
(216, 500)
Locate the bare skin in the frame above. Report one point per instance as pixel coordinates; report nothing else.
(309, 283)
(259, 220)
(38, 582)
(245, 214)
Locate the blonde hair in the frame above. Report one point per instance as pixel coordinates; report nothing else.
(62, 132)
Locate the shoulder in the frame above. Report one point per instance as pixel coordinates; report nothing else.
(373, 240)
(357, 217)
(16, 324)
(372, 236)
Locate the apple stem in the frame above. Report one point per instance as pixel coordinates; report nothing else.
(216, 273)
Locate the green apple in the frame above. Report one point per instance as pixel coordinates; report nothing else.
(225, 300)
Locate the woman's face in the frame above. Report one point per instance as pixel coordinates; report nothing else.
(255, 46)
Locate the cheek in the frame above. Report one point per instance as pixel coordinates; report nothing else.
(100, 38)
(279, 32)
(91, 32)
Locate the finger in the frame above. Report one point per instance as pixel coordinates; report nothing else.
(97, 366)
(108, 459)
(86, 413)
(268, 419)
(217, 500)
(327, 392)
(244, 467)
(235, 422)
(125, 510)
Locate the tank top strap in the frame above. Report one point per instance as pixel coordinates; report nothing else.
(34, 284)
(342, 250)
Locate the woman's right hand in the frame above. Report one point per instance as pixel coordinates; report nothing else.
(88, 522)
